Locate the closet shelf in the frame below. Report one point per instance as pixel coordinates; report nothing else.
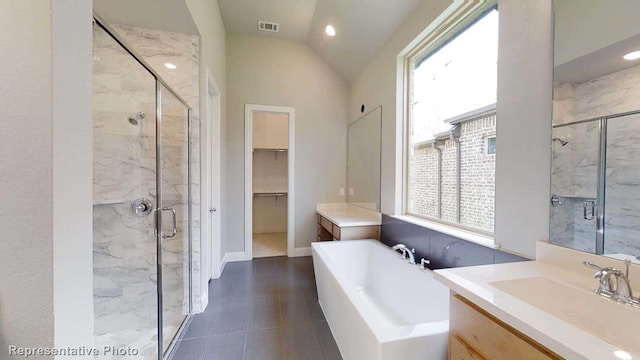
(576, 196)
(276, 194)
(269, 150)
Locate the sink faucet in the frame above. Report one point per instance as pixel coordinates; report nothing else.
(618, 290)
(406, 253)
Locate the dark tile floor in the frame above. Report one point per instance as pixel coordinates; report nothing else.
(262, 309)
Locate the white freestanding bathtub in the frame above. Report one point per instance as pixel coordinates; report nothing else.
(378, 306)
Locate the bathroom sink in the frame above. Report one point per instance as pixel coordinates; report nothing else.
(612, 322)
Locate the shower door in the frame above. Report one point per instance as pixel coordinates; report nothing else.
(574, 185)
(622, 184)
(124, 171)
(594, 183)
(174, 190)
(141, 205)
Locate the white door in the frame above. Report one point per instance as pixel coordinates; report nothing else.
(212, 267)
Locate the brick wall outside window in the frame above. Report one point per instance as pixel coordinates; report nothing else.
(477, 177)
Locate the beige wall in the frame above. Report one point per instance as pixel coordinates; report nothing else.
(269, 71)
(270, 130)
(45, 174)
(523, 125)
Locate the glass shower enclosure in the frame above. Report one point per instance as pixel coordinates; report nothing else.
(595, 183)
(141, 193)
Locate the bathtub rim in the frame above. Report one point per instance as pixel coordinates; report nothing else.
(384, 333)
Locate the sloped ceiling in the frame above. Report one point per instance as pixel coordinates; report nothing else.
(362, 26)
(169, 15)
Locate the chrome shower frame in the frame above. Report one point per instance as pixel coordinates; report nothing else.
(601, 166)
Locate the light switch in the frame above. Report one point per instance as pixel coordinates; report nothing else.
(341, 191)
(351, 192)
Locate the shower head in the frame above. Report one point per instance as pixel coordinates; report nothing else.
(562, 142)
(135, 120)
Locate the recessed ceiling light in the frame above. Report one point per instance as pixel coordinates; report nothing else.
(634, 55)
(170, 66)
(330, 30)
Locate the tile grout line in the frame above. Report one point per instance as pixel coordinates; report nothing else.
(246, 333)
(281, 322)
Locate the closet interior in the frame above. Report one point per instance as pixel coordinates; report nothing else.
(270, 183)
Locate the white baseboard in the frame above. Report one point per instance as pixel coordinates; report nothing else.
(232, 257)
(306, 251)
(204, 301)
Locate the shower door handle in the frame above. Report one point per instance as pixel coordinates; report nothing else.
(175, 222)
(589, 204)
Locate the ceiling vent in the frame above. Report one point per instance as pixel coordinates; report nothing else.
(268, 26)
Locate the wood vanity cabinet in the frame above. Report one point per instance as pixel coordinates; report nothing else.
(475, 334)
(330, 231)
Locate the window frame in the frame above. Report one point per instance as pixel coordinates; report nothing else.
(453, 22)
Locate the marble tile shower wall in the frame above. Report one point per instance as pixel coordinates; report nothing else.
(443, 250)
(183, 50)
(575, 179)
(574, 170)
(615, 93)
(622, 205)
(124, 169)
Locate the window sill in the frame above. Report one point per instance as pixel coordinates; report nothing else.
(449, 230)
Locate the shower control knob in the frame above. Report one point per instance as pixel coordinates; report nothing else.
(141, 207)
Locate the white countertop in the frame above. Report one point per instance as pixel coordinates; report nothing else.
(562, 337)
(346, 215)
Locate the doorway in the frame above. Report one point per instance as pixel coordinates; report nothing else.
(269, 181)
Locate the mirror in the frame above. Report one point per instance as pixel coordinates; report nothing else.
(363, 160)
(595, 172)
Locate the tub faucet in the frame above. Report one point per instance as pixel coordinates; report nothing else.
(406, 253)
(423, 264)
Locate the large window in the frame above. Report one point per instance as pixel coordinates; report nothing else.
(450, 169)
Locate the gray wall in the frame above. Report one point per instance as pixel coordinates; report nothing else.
(523, 124)
(269, 71)
(45, 174)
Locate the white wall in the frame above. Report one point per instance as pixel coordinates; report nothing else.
(585, 26)
(206, 16)
(26, 209)
(269, 71)
(72, 173)
(45, 174)
(523, 141)
(524, 116)
(377, 85)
